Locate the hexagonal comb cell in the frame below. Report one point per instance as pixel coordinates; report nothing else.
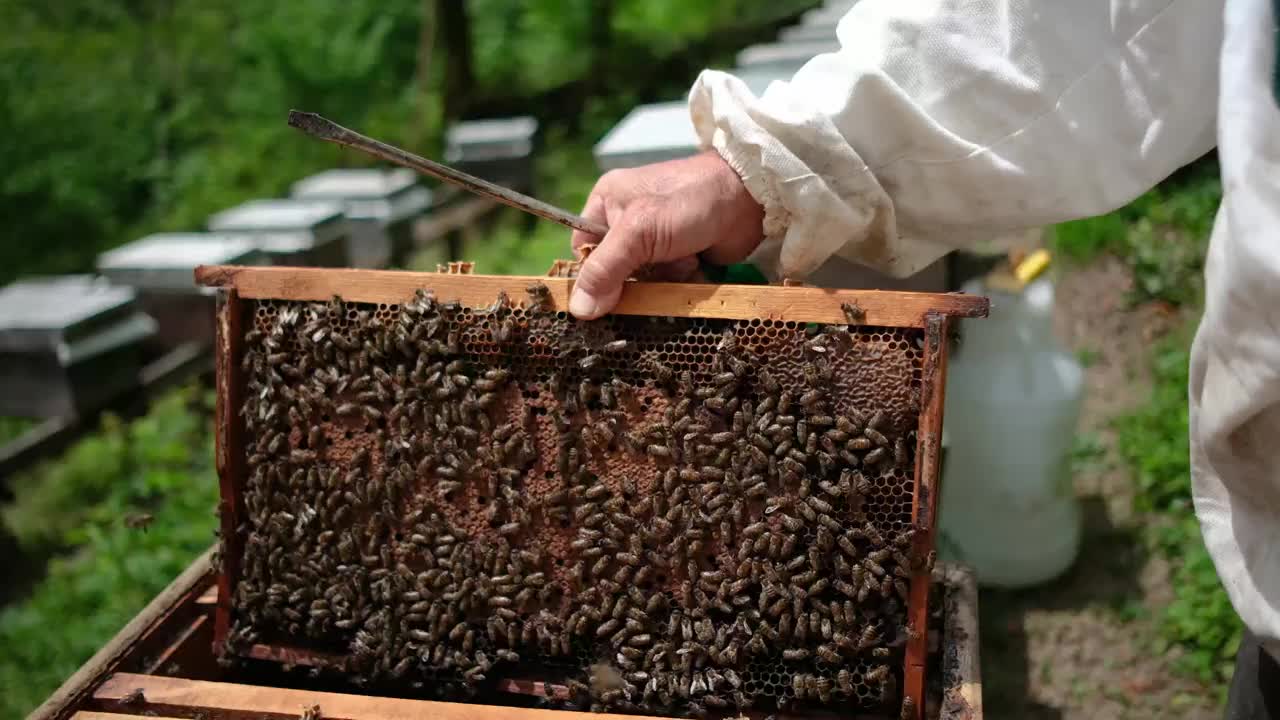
(664, 515)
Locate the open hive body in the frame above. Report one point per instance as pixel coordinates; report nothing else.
(717, 500)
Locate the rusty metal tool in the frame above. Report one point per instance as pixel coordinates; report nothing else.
(325, 129)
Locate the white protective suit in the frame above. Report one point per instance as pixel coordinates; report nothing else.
(942, 123)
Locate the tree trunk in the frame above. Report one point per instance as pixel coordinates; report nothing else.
(600, 45)
(422, 75)
(454, 35)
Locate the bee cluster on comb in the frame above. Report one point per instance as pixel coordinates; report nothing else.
(663, 515)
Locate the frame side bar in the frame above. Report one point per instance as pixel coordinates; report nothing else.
(230, 451)
(924, 505)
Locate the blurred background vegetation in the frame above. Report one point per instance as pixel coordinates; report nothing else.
(129, 116)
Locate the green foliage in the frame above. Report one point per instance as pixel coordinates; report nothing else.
(1082, 240)
(1162, 236)
(1088, 357)
(120, 468)
(141, 116)
(129, 117)
(161, 464)
(13, 427)
(1153, 440)
(1088, 453)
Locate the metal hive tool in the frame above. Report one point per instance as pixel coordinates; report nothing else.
(462, 488)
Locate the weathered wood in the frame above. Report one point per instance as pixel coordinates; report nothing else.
(96, 715)
(961, 669)
(229, 451)
(961, 697)
(289, 655)
(924, 503)
(188, 651)
(325, 129)
(739, 302)
(125, 646)
(185, 697)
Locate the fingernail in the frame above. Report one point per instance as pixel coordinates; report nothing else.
(583, 305)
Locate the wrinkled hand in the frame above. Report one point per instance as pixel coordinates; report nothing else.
(663, 215)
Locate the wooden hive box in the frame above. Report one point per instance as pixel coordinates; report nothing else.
(166, 652)
(720, 499)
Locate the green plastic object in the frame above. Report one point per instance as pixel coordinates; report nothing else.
(739, 274)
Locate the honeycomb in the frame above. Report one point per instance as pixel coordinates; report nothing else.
(663, 515)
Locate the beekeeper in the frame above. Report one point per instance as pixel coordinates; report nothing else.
(942, 123)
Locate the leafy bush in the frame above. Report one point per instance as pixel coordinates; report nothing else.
(118, 469)
(160, 464)
(1153, 440)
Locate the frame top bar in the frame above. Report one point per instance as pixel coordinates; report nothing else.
(735, 302)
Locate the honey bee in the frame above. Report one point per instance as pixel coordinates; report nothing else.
(539, 296)
(138, 521)
(661, 452)
(795, 654)
(664, 374)
(799, 685)
(853, 312)
(134, 697)
(875, 456)
(819, 504)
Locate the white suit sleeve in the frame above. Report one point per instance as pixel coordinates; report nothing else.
(1235, 361)
(942, 123)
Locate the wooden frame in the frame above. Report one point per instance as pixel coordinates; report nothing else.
(228, 449)
(930, 313)
(692, 300)
(191, 684)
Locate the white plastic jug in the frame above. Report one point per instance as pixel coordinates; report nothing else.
(1013, 399)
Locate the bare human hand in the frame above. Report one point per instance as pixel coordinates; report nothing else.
(663, 215)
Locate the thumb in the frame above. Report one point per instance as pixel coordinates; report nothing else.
(601, 276)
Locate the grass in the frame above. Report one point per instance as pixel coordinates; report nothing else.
(1153, 441)
(104, 572)
(1162, 237)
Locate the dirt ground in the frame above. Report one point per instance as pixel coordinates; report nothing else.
(1080, 647)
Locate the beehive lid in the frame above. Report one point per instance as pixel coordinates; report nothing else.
(491, 139)
(664, 131)
(43, 314)
(649, 133)
(283, 226)
(784, 56)
(165, 261)
(368, 193)
(807, 33)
